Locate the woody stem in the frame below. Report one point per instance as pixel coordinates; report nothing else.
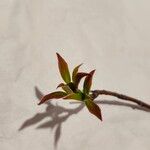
(95, 93)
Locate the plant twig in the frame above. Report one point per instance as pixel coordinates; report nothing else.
(95, 93)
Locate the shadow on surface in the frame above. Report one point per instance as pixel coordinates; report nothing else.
(122, 104)
(58, 114)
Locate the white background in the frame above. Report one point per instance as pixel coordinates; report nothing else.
(111, 36)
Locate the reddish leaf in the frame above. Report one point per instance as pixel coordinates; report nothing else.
(60, 85)
(63, 69)
(88, 82)
(54, 95)
(75, 96)
(65, 87)
(93, 108)
(78, 78)
(75, 71)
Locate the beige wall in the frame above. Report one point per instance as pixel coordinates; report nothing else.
(111, 36)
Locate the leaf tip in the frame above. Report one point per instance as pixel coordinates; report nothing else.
(100, 117)
(94, 109)
(40, 103)
(58, 56)
(92, 72)
(63, 68)
(60, 85)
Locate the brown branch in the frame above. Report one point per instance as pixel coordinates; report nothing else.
(95, 93)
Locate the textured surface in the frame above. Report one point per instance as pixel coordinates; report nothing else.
(109, 36)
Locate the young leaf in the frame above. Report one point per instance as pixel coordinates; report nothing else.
(60, 85)
(75, 96)
(54, 95)
(65, 87)
(75, 71)
(78, 78)
(63, 69)
(88, 82)
(93, 108)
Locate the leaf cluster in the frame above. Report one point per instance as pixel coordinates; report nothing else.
(70, 88)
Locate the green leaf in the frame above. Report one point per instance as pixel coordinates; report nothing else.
(88, 82)
(63, 69)
(75, 96)
(93, 108)
(65, 87)
(53, 95)
(78, 78)
(75, 71)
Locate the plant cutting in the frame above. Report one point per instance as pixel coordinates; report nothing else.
(70, 89)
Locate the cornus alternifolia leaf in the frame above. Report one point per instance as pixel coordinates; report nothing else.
(65, 74)
(65, 87)
(75, 71)
(93, 108)
(87, 96)
(88, 82)
(63, 69)
(75, 96)
(54, 95)
(60, 85)
(78, 78)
